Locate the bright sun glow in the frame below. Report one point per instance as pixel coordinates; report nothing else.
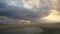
(54, 16)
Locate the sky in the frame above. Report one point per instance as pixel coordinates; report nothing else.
(25, 9)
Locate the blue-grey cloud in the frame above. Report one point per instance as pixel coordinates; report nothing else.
(8, 8)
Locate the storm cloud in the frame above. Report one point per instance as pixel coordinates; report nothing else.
(15, 9)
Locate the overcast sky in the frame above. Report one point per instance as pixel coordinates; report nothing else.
(19, 9)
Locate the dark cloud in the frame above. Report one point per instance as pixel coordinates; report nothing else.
(17, 12)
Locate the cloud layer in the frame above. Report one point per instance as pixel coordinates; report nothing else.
(16, 9)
